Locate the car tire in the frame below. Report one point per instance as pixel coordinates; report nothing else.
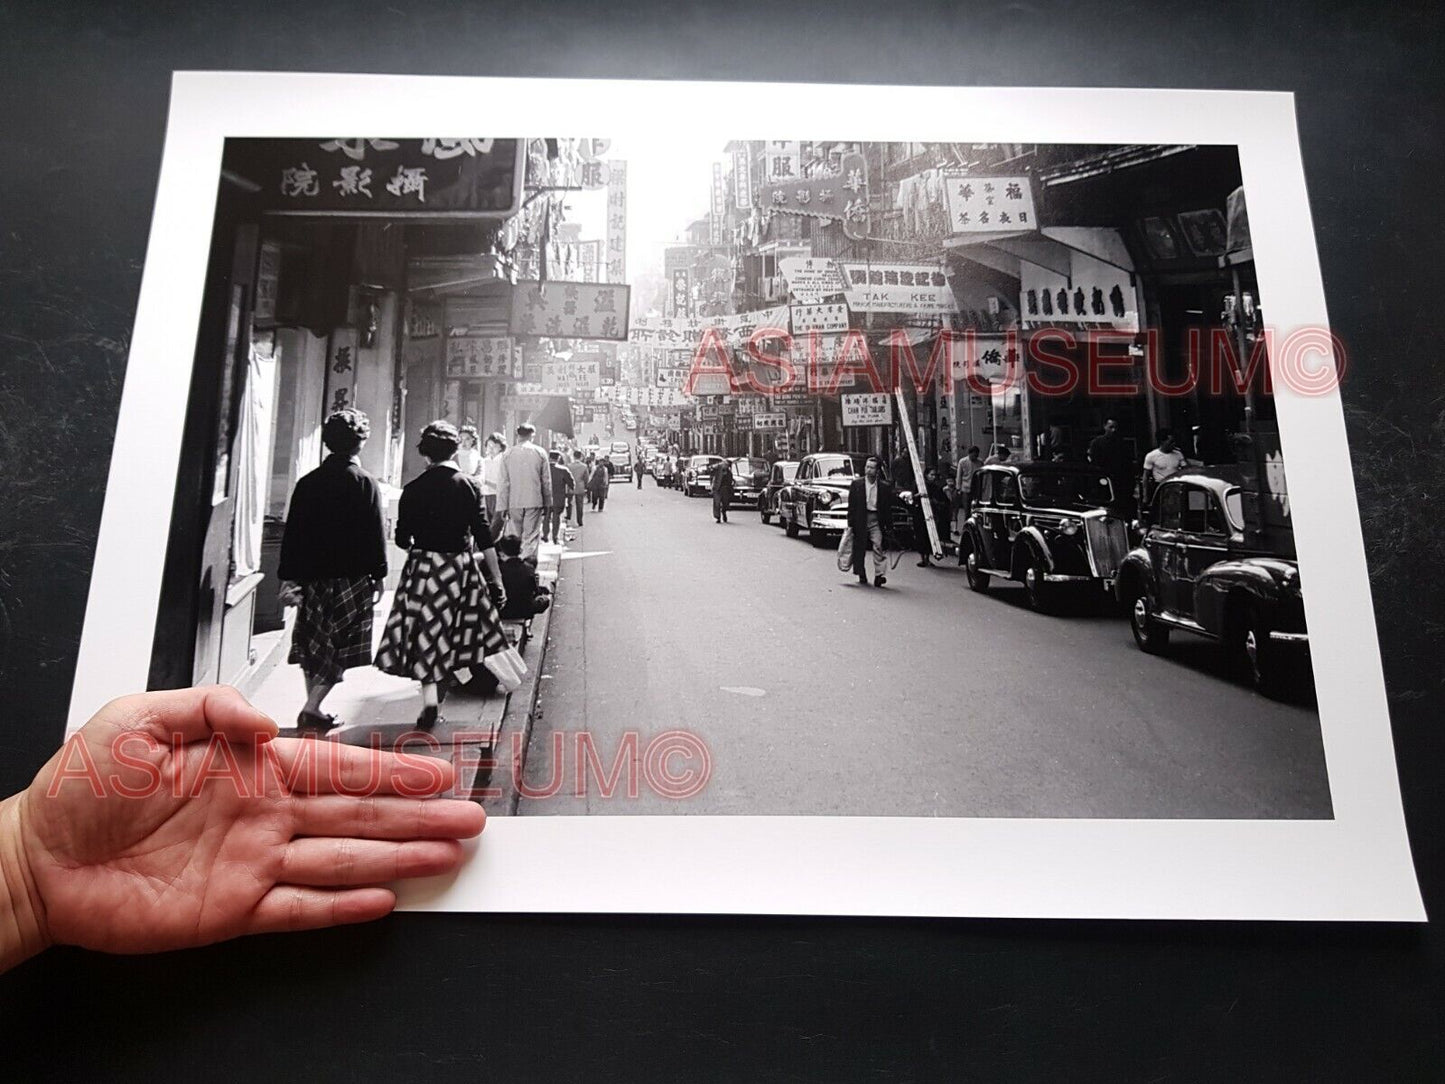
(1040, 591)
(1149, 634)
(1258, 657)
(817, 538)
(978, 580)
(764, 514)
(790, 526)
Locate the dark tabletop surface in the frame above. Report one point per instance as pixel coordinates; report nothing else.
(450, 997)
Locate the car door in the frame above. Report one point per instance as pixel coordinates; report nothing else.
(1162, 542)
(797, 510)
(1202, 541)
(984, 514)
(1008, 517)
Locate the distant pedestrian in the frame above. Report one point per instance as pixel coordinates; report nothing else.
(933, 493)
(526, 488)
(998, 453)
(870, 509)
(722, 490)
(491, 476)
(600, 482)
(578, 469)
(638, 465)
(444, 620)
(1162, 463)
(963, 479)
(561, 498)
(333, 564)
(469, 459)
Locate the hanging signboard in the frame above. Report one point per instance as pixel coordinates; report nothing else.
(476, 357)
(811, 279)
(1094, 293)
(617, 222)
(577, 374)
(719, 205)
(681, 304)
(826, 317)
(868, 408)
(341, 369)
(742, 178)
(841, 196)
(770, 422)
(989, 204)
(415, 178)
(906, 288)
(782, 160)
(574, 310)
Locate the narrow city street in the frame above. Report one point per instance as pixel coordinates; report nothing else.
(815, 695)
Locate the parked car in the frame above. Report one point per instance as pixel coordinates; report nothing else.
(1198, 569)
(782, 473)
(662, 470)
(620, 453)
(1050, 526)
(816, 500)
(750, 474)
(697, 475)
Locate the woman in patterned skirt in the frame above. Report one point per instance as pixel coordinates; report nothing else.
(444, 621)
(333, 564)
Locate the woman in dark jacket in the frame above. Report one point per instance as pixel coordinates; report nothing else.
(333, 563)
(444, 622)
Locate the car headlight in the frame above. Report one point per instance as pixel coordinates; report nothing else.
(826, 498)
(1070, 526)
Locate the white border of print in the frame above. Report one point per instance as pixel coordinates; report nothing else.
(1354, 867)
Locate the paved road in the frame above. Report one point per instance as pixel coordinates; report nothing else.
(817, 696)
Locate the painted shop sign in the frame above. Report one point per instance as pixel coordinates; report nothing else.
(422, 178)
(573, 310)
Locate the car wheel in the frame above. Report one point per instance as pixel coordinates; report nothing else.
(1040, 592)
(1149, 634)
(764, 514)
(817, 537)
(1258, 656)
(790, 525)
(977, 579)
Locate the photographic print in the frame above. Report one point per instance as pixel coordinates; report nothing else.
(943, 494)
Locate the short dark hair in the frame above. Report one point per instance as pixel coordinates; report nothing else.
(438, 441)
(500, 440)
(509, 545)
(1163, 435)
(972, 448)
(344, 431)
(526, 430)
(556, 456)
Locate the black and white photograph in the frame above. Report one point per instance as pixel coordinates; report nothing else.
(662, 481)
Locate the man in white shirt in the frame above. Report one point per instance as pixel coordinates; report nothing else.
(1163, 462)
(963, 479)
(525, 489)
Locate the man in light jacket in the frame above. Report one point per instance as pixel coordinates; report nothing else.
(526, 489)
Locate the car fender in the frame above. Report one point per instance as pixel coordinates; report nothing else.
(1136, 572)
(1030, 540)
(1259, 578)
(974, 533)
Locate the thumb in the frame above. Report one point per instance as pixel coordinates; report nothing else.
(190, 715)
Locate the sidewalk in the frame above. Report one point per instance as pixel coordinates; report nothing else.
(378, 709)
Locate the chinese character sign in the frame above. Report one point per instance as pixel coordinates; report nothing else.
(869, 408)
(989, 204)
(476, 357)
(782, 160)
(358, 177)
(719, 205)
(906, 288)
(742, 178)
(811, 279)
(571, 310)
(829, 317)
(617, 222)
(341, 369)
(682, 292)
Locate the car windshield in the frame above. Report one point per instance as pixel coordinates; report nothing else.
(705, 460)
(619, 446)
(746, 468)
(787, 471)
(1234, 508)
(834, 466)
(1076, 488)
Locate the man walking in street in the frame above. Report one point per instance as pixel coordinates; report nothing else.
(561, 497)
(870, 508)
(722, 490)
(637, 464)
(578, 469)
(526, 488)
(963, 479)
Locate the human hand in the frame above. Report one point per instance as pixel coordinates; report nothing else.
(176, 819)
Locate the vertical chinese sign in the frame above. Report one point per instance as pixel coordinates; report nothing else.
(341, 369)
(742, 178)
(719, 206)
(782, 161)
(682, 292)
(617, 222)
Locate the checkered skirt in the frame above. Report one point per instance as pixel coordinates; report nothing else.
(333, 628)
(442, 622)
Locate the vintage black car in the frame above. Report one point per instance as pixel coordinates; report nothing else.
(1050, 526)
(750, 474)
(1197, 569)
(782, 473)
(697, 475)
(816, 500)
